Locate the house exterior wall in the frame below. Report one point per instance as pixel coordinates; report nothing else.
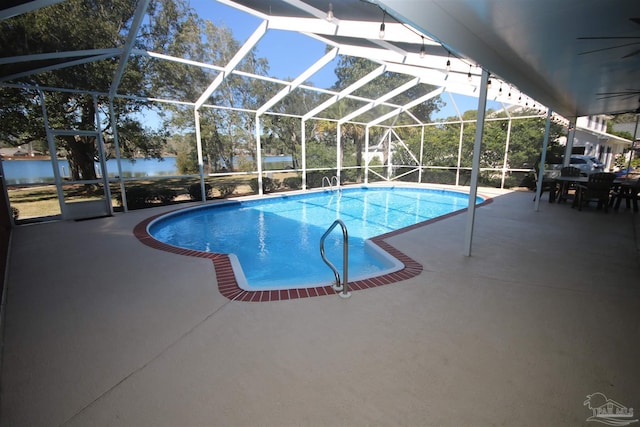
(591, 138)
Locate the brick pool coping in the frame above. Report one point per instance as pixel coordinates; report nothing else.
(228, 285)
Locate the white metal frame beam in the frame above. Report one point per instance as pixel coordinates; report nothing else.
(348, 90)
(140, 12)
(233, 63)
(407, 107)
(328, 57)
(397, 91)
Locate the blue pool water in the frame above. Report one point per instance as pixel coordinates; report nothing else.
(277, 240)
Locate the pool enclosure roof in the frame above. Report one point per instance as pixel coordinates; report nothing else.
(577, 57)
(536, 48)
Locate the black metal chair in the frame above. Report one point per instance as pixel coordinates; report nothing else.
(597, 188)
(628, 191)
(565, 187)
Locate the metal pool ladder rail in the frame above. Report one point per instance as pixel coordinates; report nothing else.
(344, 287)
(330, 182)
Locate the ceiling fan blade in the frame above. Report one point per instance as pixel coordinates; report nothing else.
(622, 95)
(634, 53)
(620, 91)
(608, 48)
(608, 38)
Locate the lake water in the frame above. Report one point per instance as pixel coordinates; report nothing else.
(19, 172)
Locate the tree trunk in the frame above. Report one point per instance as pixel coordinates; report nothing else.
(81, 156)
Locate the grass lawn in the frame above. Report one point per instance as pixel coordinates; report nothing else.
(42, 201)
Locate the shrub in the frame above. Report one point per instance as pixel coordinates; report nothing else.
(293, 182)
(195, 191)
(268, 185)
(137, 197)
(314, 178)
(165, 195)
(15, 213)
(226, 190)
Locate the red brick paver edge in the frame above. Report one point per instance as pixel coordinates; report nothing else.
(228, 286)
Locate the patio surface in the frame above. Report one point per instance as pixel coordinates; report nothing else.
(101, 330)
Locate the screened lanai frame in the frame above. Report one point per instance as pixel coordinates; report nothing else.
(401, 51)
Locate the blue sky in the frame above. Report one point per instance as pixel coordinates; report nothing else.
(290, 53)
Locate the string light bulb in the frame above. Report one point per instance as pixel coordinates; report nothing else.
(422, 52)
(382, 26)
(330, 12)
(469, 74)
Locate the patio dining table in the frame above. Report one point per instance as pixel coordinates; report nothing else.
(561, 185)
(623, 189)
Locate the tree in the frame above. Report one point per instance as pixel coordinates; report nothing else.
(78, 25)
(225, 133)
(351, 69)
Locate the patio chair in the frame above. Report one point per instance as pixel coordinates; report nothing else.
(628, 191)
(597, 188)
(565, 187)
(548, 184)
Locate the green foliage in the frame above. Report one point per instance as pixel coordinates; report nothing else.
(320, 155)
(195, 191)
(246, 165)
(439, 176)
(350, 175)
(165, 195)
(622, 134)
(268, 185)
(139, 197)
(226, 189)
(187, 162)
(411, 174)
(78, 25)
(293, 182)
(314, 178)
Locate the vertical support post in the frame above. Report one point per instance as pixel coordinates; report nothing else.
(203, 192)
(338, 151)
(304, 154)
(116, 141)
(52, 149)
(421, 155)
(543, 158)
(506, 153)
(389, 162)
(633, 144)
(103, 160)
(259, 155)
(366, 154)
(459, 152)
(568, 149)
(475, 166)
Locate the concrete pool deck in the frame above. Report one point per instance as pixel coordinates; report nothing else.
(102, 330)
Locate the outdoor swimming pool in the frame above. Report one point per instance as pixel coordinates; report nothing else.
(276, 240)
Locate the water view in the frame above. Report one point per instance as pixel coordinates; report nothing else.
(18, 172)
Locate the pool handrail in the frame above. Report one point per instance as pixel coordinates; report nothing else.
(330, 182)
(344, 287)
